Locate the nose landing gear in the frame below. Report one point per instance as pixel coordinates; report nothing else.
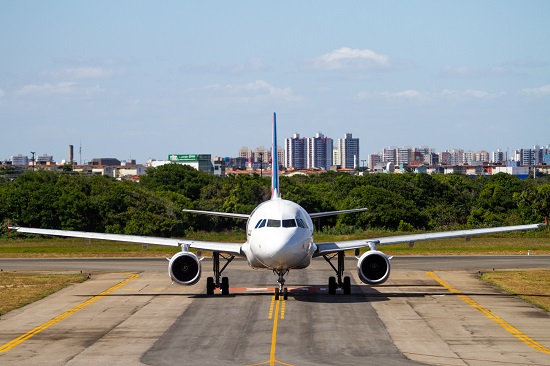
(281, 290)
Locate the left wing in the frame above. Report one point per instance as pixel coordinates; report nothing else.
(216, 213)
(229, 248)
(333, 247)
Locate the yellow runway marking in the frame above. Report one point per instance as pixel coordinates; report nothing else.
(503, 323)
(279, 307)
(57, 319)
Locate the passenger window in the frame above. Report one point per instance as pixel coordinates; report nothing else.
(289, 223)
(273, 223)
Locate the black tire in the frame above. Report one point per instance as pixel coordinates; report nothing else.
(276, 293)
(210, 286)
(332, 285)
(225, 286)
(347, 285)
(285, 294)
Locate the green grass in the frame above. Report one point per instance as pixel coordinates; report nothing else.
(519, 243)
(531, 286)
(20, 289)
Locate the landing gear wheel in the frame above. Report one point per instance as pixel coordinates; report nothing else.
(332, 285)
(285, 294)
(210, 286)
(347, 285)
(276, 293)
(225, 286)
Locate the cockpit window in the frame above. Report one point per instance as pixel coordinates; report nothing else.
(301, 223)
(273, 223)
(260, 224)
(289, 223)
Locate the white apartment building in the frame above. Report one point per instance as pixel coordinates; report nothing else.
(319, 152)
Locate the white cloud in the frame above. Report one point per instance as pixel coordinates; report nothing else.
(62, 88)
(420, 96)
(409, 94)
(540, 91)
(346, 57)
(259, 91)
(81, 73)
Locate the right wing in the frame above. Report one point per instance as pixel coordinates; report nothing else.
(229, 248)
(332, 213)
(333, 247)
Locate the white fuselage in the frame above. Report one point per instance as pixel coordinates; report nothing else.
(279, 236)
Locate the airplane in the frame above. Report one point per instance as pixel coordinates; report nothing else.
(279, 238)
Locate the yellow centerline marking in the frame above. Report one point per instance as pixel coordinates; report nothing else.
(279, 307)
(503, 323)
(274, 334)
(60, 317)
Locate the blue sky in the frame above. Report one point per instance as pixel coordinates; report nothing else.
(144, 79)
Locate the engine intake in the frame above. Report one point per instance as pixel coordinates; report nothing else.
(373, 267)
(184, 268)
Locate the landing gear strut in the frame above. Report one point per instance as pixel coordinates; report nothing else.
(213, 283)
(336, 282)
(281, 290)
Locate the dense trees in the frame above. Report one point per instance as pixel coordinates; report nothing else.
(153, 206)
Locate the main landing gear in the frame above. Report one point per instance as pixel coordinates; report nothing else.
(213, 283)
(336, 282)
(281, 290)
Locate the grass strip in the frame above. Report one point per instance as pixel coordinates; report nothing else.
(532, 286)
(502, 244)
(20, 289)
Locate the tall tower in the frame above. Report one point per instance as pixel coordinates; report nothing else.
(71, 154)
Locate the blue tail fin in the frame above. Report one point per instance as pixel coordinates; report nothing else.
(274, 163)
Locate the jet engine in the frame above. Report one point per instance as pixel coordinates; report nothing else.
(373, 267)
(184, 268)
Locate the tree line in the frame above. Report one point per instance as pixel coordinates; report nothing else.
(404, 202)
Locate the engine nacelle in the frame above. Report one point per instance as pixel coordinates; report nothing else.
(373, 267)
(184, 268)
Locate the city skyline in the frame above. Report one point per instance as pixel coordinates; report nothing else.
(307, 147)
(139, 79)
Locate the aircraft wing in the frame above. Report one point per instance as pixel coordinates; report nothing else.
(229, 248)
(215, 213)
(333, 247)
(332, 213)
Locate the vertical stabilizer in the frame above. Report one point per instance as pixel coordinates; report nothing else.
(274, 162)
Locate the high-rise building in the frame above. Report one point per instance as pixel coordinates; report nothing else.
(295, 152)
(319, 152)
(499, 156)
(389, 155)
(348, 149)
(404, 156)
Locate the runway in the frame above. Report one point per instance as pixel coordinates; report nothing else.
(117, 318)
